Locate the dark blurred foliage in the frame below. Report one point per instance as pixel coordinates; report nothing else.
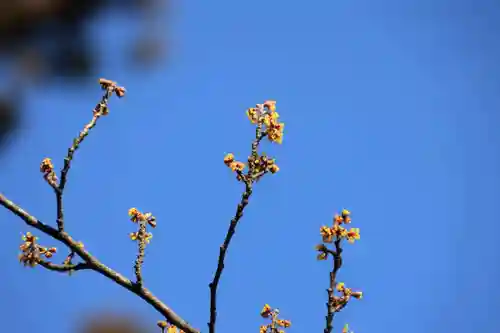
(109, 322)
(44, 40)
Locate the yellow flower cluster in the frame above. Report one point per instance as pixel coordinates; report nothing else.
(135, 236)
(335, 234)
(136, 216)
(266, 114)
(169, 328)
(230, 162)
(48, 252)
(275, 129)
(347, 292)
(47, 168)
(268, 312)
(337, 231)
(262, 164)
(31, 252)
(108, 84)
(259, 165)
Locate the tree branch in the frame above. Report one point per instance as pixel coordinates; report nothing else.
(248, 180)
(100, 110)
(330, 305)
(222, 254)
(141, 238)
(64, 267)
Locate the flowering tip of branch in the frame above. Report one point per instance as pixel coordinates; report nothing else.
(343, 217)
(347, 292)
(270, 105)
(47, 169)
(357, 294)
(136, 216)
(345, 212)
(235, 166)
(337, 231)
(228, 159)
(266, 114)
(31, 251)
(46, 166)
(353, 235)
(136, 236)
(112, 86)
(268, 312)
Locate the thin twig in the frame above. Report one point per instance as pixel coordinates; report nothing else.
(222, 255)
(64, 267)
(331, 304)
(97, 266)
(248, 180)
(141, 238)
(59, 190)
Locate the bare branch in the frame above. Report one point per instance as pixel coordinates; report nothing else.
(26, 217)
(141, 237)
(331, 304)
(64, 268)
(248, 180)
(100, 110)
(222, 255)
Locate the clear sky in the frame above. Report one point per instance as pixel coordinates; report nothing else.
(391, 111)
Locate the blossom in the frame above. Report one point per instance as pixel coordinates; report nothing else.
(275, 131)
(322, 256)
(353, 235)
(46, 166)
(162, 324)
(228, 159)
(270, 118)
(48, 253)
(270, 105)
(274, 168)
(266, 311)
(135, 215)
(357, 294)
(345, 212)
(339, 231)
(337, 219)
(151, 220)
(28, 237)
(237, 166)
(283, 323)
(253, 115)
(135, 236)
(326, 233)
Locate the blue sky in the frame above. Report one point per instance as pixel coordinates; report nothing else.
(391, 111)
